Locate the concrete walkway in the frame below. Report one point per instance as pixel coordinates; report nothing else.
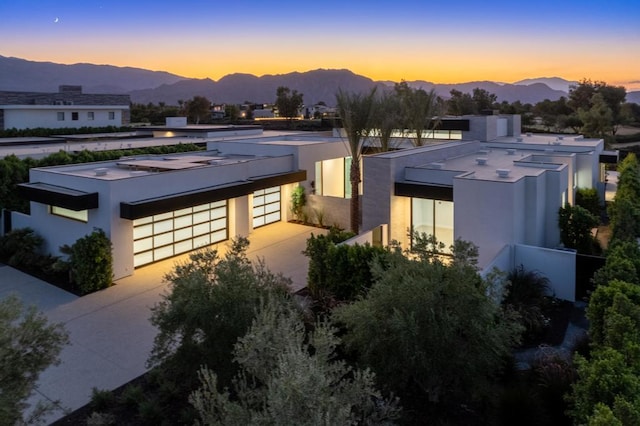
(110, 333)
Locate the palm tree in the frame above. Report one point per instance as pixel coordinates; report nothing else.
(387, 118)
(419, 109)
(356, 111)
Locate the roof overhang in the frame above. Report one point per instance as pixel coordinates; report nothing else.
(423, 190)
(609, 157)
(148, 207)
(59, 196)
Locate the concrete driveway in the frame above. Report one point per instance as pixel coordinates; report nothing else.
(111, 337)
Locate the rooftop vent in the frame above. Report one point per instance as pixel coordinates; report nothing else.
(101, 171)
(437, 165)
(511, 151)
(519, 139)
(481, 160)
(557, 142)
(528, 134)
(560, 138)
(503, 173)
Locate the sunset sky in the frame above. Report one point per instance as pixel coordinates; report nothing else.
(442, 42)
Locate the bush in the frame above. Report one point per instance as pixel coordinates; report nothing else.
(340, 272)
(90, 262)
(527, 294)
(19, 247)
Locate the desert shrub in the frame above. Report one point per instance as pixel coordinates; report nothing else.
(90, 262)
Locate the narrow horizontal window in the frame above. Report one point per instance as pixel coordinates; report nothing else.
(82, 215)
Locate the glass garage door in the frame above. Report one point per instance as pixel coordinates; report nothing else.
(266, 206)
(168, 234)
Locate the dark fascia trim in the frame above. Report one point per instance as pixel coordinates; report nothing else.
(149, 207)
(421, 190)
(279, 179)
(609, 158)
(59, 196)
(453, 124)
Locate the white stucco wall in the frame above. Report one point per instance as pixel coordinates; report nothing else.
(59, 230)
(559, 266)
(24, 117)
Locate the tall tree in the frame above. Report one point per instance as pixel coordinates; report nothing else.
(582, 98)
(419, 109)
(288, 103)
(460, 103)
(387, 119)
(483, 100)
(198, 109)
(356, 110)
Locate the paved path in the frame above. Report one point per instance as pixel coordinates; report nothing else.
(110, 333)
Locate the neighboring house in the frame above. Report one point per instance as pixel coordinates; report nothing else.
(67, 108)
(483, 182)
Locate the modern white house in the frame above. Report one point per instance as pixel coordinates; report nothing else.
(69, 107)
(480, 181)
(156, 207)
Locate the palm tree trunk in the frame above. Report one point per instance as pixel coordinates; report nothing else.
(354, 177)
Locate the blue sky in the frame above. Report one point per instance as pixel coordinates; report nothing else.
(444, 42)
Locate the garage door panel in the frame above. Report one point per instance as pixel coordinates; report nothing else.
(168, 234)
(266, 206)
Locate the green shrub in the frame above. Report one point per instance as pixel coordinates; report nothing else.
(526, 294)
(132, 396)
(340, 272)
(90, 262)
(589, 199)
(102, 400)
(298, 201)
(19, 247)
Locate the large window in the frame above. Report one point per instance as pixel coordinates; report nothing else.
(430, 134)
(433, 217)
(266, 206)
(169, 234)
(81, 215)
(332, 177)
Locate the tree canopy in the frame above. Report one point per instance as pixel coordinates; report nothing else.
(28, 345)
(288, 375)
(419, 313)
(288, 102)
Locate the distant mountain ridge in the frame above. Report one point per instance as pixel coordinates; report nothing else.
(30, 76)
(146, 86)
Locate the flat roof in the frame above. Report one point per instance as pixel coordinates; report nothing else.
(129, 167)
(553, 140)
(485, 164)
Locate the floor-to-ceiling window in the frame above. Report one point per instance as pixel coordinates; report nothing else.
(333, 177)
(433, 217)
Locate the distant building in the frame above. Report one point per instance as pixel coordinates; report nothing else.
(67, 108)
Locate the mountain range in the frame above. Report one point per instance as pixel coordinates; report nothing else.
(318, 85)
